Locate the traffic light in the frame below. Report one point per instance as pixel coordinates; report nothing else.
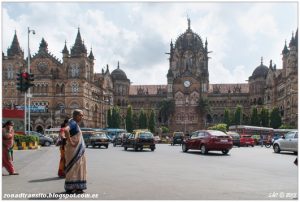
(30, 78)
(20, 82)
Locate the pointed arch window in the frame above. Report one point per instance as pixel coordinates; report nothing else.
(74, 70)
(10, 72)
(75, 87)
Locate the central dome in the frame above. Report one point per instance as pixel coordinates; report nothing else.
(260, 71)
(118, 74)
(189, 40)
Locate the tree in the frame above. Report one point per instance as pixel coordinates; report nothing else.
(129, 119)
(116, 118)
(255, 121)
(135, 119)
(142, 119)
(203, 107)
(109, 118)
(221, 127)
(227, 117)
(152, 120)
(238, 115)
(166, 110)
(275, 118)
(264, 116)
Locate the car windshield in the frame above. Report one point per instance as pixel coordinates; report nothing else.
(178, 134)
(101, 135)
(146, 135)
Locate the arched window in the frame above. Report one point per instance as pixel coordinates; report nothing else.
(10, 72)
(57, 89)
(74, 70)
(75, 87)
(62, 89)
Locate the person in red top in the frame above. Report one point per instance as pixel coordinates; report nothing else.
(7, 147)
(62, 143)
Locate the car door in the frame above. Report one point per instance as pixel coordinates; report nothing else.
(192, 140)
(294, 142)
(286, 142)
(200, 138)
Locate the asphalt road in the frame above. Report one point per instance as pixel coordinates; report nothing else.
(166, 174)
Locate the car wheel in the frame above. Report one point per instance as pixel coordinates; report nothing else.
(184, 148)
(125, 148)
(276, 148)
(203, 149)
(86, 146)
(114, 144)
(93, 145)
(47, 144)
(152, 148)
(225, 151)
(136, 148)
(106, 146)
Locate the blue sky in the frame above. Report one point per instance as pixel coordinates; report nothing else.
(138, 34)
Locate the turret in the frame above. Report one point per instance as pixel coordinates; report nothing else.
(79, 48)
(15, 49)
(65, 51)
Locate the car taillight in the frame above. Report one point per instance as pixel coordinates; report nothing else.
(214, 139)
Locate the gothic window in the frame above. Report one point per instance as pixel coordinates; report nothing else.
(75, 87)
(74, 70)
(62, 89)
(10, 72)
(57, 89)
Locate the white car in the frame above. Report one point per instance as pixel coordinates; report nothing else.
(287, 143)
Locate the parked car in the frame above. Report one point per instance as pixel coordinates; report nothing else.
(140, 139)
(247, 140)
(120, 138)
(86, 137)
(43, 139)
(289, 142)
(235, 138)
(276, 137)
(177, 138)
(208, 140)
(98, 139)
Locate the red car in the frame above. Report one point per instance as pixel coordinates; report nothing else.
(208, 140)
(246, 140)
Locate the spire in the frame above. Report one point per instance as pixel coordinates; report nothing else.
(189, 23)
(107, 69)
(118, 65)
(91, 55)
(271, 65)
(206, 44)
(15, 47)
(79, 47)
(285, 49)
(261, 63)
(65, 50)
(43, 46)
(292, 42)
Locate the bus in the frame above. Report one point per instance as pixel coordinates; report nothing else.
(112, 132)
(254, 131)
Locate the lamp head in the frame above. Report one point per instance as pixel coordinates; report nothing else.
(33, 32)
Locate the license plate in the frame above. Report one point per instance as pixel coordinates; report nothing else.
(224, 140)
(146, 146)
(247, 142)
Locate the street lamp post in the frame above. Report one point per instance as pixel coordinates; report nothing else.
(28, 70)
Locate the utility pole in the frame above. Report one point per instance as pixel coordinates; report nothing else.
(28, 70)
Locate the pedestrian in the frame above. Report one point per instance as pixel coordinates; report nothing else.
(7, 147)
(75, 169)
(61, 144)
(261, 140)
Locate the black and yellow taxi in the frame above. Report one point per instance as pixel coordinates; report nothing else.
(177, 138)
(139, 140)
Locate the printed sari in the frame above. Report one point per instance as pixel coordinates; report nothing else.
(75, 169)
(7, 150)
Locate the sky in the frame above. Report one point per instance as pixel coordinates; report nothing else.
(138, 34)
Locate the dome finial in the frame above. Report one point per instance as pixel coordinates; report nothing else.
(189, 23)
(118, 65)
(262, 60)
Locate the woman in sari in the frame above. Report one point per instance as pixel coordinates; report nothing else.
(75, 169)
(7, 147)
(62, 143)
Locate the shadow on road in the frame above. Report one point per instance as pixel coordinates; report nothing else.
(47, 179)
(211, 153)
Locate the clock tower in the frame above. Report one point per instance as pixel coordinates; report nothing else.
(188, 80)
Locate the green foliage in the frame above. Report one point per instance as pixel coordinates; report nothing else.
(238, 115)
(109, 118)
(152, 120)
(116, 118)
(220, 127)
(255, 120)
(129, 119)
(166, 109)
(275, 118)
(227, 117)
(286, 126)
(26, 138)
(143, 123)
(165, 129)
(135, 121)
(264, 116)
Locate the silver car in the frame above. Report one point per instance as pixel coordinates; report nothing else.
(287, 143)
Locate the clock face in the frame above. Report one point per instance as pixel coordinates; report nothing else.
(42, 66)
(186, 83)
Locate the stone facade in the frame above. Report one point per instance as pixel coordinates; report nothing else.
(62, 86)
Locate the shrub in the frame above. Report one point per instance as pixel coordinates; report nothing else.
(221, 127)
(26, 138)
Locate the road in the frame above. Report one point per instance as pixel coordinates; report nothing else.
(246, 173)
